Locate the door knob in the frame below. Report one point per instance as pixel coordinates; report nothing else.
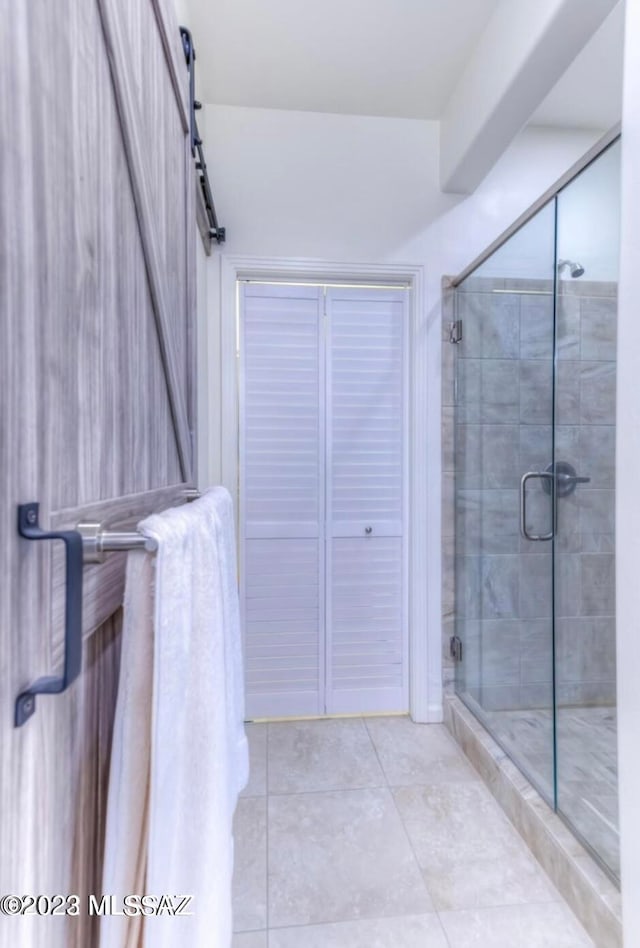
(368, 529)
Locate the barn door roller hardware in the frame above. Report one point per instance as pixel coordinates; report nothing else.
(215, 231)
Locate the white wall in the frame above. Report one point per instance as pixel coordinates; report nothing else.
(588, 229)
(358, 188)
(627, 496)
(354, 189)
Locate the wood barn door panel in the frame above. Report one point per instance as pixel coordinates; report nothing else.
(97, 282)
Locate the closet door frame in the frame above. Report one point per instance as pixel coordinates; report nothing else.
(424, 381)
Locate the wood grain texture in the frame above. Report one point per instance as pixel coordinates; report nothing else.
(139, 151)
(97, 308)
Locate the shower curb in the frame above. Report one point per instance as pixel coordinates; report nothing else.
(590, 893)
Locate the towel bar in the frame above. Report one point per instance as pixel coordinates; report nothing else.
(88, 543)
(98, 541)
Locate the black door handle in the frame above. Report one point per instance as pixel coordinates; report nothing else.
(29, 528)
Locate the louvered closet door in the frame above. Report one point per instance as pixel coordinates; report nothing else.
(281, 463)
(366, 641)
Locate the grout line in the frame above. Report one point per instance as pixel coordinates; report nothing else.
(266, 778)
(375, 751)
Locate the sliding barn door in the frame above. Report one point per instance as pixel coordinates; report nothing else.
(323, 501)
(96, 415)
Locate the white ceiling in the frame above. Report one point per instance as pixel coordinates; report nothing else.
(397, 58)
(365, 57)
(589, 94)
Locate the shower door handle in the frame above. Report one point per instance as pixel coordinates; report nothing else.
(523, 505)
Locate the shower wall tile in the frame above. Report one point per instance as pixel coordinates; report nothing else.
(568, 584)
(498, 395)
(487, 456)
(586, 649)
(568, 393)
(448, 577)
(568, 512)
(491, 324)
(598, 393)
(586, 694)
(472, 655)
(598, 542)
(568, 327)
(536, 650)
(448, 439)
(448, 487)
(468, 586)
(535, 448)
(468, 373)
(468, 456)
(536, 327)
(536, 392)
(598, 326)
(598, 584)
(587, 289)
(501, 327)
(597, 511)
(500, 658)
(535, 586)
(500, 582)
(567, 444)
(487, 521)
(597, 454)
(500, 449)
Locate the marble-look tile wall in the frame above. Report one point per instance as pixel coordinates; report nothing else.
(504, 404)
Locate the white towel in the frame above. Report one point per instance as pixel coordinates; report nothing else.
(199, 759)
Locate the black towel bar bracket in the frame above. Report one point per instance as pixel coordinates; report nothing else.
(88, 543)
(30, 529)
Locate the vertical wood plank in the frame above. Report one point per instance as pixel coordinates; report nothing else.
(96, 311)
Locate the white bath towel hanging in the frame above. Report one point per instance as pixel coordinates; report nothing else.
(198, 760)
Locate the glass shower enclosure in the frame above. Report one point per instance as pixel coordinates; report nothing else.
(534, 500)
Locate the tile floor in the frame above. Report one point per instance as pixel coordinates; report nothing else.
(377, 833)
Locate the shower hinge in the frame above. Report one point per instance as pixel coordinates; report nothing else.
(455, 331)
(455, 648)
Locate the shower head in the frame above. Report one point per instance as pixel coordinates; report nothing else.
(575, 269)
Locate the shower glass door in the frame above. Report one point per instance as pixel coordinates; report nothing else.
(586, 305)
(504, 502)
(535, 500)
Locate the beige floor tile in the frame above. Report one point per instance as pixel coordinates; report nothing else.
(515, 926)
(322, 755)
(410, 931)
(250, 864)
(250, 940)
(257, 737)
(418, 753)
(340, 855)
(470, 853)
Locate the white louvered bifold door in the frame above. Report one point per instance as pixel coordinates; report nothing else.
(366, 641)
(282, 498)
